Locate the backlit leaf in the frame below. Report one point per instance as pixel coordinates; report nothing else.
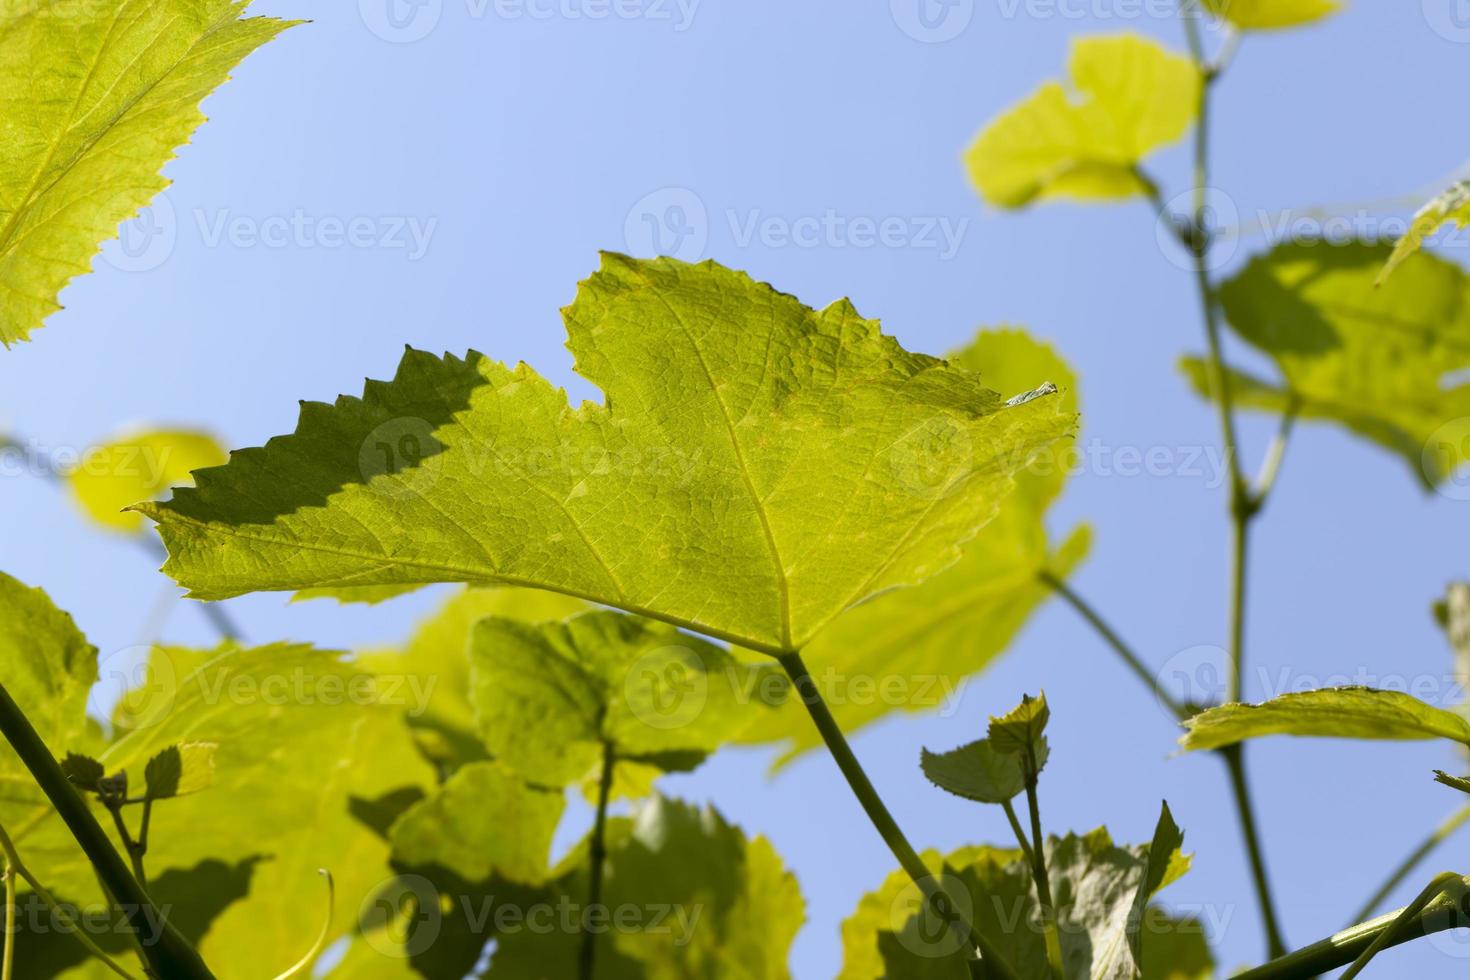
(550, 696)
(180, 770)
(1022, 729)
(1387, 363)
(114, 476)
(976, 772)
(1259, 15)
(1452, 207)
(96, 98)
(911, 649)
(1127, 97)
(1338, 712)
(757, 468)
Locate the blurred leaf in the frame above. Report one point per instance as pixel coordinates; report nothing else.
(1176, 947)
(910, 649)
(757, 468)
(96, 98)
(1387, 363)
(1128, 97)
(550, 696)
(1451, 207)
(138, 467)
(484, 821)
(180, 770)
(433, 668)
(1338, 712)
(726, 908)
(369, 595)
(1260, 15)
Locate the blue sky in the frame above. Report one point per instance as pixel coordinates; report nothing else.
(441, 173)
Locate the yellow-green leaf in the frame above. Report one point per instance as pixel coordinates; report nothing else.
(910, 649)
(96, 97)
(757, 467)
(1261, 15)
(133, 468)
(1451, 207)
(1338, 712)
(1387, 363)
(1127, 97)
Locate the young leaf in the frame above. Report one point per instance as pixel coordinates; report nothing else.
(180, 770)
(1165, 863)
(1261, 15)
(757, 468)
(83, 771)
(1451, 207)
(1384, 362)
(910, 649)
(1338, 712)
(1022, 728)
(978, 772)
(550, 696)
(485, 820)
(96, 97)
(1129, 97)
(111, 477)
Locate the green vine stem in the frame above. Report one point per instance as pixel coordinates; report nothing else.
(1038, 869)
(171, 957)
(7, 962)
(597, 855)
(1343, 948)
(991, 964)
(17, 868)
(1416, 857)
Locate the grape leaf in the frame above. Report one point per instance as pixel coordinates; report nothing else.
(369, 595)
(1450, 207)
(550, 696)
(1129, 96)
(484, 821)
(1454, 782)
(1101, 892)
(300, 733)
(910, 649)
(1384, 362)
(758, 467)
(138, 467)
(1338, 712)
(180, 770)
(1261, 15)
(730, 909)
(433, 667)
(977, 772)
(96, 98)
(1022, 729)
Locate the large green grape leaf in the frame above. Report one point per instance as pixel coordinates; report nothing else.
(910, 649)
(300, 733)
(1101, 891)
(1260, 15)
(1338, 712)
(703, 902)
(1450, 207)
(551, 696)
(432, 669)
(1128, 97)
(757, 467)
(1386, 362)
(138, 466)
(95, 98)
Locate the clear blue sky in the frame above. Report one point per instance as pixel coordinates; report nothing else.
(516, 138)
